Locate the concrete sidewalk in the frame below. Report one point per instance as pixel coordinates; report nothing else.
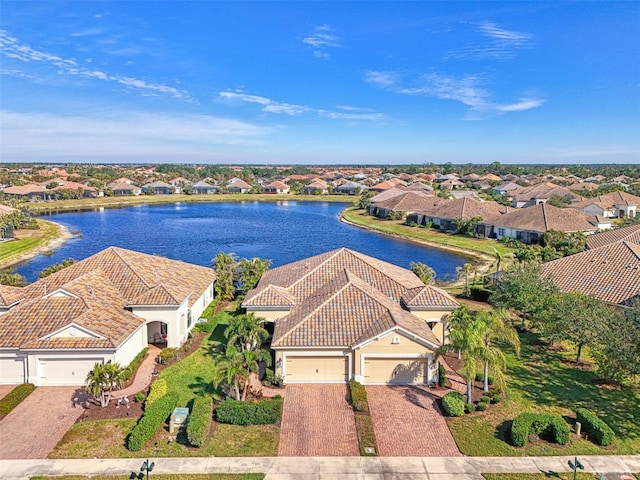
(321, 468)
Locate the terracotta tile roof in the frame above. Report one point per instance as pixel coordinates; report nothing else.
(9, 295)
(387, 194)
(427, 297)
(409, 201)
(610, 272)
(278, 184)
(609, 200)
(346, 311)
(272, 296)
(25, 190)
(544, 190)
(7, 210)
(464, 207)
(629, 233)
(543, 217)
(241, 184)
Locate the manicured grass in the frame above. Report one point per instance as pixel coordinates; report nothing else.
(543, 381)
(366, 435)
(173, 476)
(395, 227)
(91, 203)
(540, 476)
(27, 240)
(14, 397)
(189, 377)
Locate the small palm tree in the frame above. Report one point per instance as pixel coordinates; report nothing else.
(229, 368)
(246, 332)
(102, 380)
(499, 258)
(252, 359)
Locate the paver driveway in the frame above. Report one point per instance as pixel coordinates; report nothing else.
(317, 421)
(35, 426)
(407, 423)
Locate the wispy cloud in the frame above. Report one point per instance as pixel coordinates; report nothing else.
(496, 43)
(122, 134)
(12, 48)
(322, 40)
(273, 106)
(467, 90)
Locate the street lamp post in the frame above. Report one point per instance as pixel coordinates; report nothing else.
(575, 465)
(147, 467)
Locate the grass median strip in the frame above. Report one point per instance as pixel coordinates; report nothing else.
(172, 476)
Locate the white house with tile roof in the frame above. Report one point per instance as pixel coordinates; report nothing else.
(105, 308)
(342, 315)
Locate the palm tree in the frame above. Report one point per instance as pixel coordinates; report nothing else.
(494, 328)
(250, 271)
(229, 367)
(252, 359)
(102, 380)
(246, 332)
(457, 324)
(465, 271)
(424, 272)
(499, 258)
(225, 266)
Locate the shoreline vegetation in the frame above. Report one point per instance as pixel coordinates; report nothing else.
(30, 243)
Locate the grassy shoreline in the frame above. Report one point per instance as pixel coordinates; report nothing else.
(29, 243)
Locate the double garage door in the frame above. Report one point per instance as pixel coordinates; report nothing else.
(65, 371)
(316, 369)
(398, 371)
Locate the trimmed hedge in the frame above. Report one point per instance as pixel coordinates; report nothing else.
(453, 404)
(128, 372)
(485, 398)
(158, 390)
(154, 416)
(552, 427)
(599, 432)
(480, 294)
(262, 412)
(12, 399)
(482, 406)
(470, 408)
(358, 396)
(442, 375)
(199, 421)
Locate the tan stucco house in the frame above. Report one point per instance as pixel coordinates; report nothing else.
(105, 308)
(342, 315)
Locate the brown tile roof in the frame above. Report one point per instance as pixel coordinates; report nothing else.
(609, 200)
(629, 233)
(544, 190)
(7, 210)
(387, 194)
(25, 189)
(9, 295)
(278, 184)
(343, 313)
(272, 296)
(241, 184)
(428, 297)
(464, 207)
(543, 217)
(409, 201)
(610, 272)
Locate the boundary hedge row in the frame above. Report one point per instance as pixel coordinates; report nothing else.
(261, 412)
(358, 396)
(152, 419)
(551, 427)
(200, 421)
(599, 432)
(157, 391)
(12, 399)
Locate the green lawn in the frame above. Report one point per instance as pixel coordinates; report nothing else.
(32, 239)
(542, 380)
(189, 377)
(174, 476)
(396, 227)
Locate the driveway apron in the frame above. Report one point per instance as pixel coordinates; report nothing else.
(317, 421)
(34, 427)
(407, 423)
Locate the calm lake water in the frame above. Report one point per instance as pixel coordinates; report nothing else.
(194, 232)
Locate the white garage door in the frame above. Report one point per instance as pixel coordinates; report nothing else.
(11, 371)
(398, 371)
(67, 371)
(316, 369)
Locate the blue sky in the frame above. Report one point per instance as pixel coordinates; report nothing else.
(320, 82)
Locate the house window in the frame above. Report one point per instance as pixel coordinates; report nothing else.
(163, 328)
(501, 232)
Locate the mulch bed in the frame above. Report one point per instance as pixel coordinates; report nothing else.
(456, 364)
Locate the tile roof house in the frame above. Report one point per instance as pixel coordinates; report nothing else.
(238, 186)
(541, 193)
(158, 188)
(203, 188)
(529, 224)
(342, 315)
(276, 187)
(123, 188)
(630, 233)
(316, 187)
(610, 205)
(407, 202)
(107, 307)
(610, 272)
(30, 191)
(444, 213)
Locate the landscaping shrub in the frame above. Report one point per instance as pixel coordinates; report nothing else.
(271, 379)
(152, 419)
(470, 408)
(442, 375)
(453, 404)
(15, 396)
(358, 396)
(207, 327)
(236, 412)
(199, 421)
(138, 397)
(552, 427)
(167, 355)
(481, 406)
(128, 372)
(480, 294)
(480, 378)
(599, 432)
(496, 398)
(485, 398)
(158, 390)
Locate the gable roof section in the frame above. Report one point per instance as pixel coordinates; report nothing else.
(322, 320)
(544, 190)
(428, 297)
(543, 217)
(630, 233)
(610, 273)
(465, 207)
(270, 296)
(408, 201)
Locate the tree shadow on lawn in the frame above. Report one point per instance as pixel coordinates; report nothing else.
(200, 386)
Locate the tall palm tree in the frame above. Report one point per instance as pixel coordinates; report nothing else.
(466, 272)
(493, 328)
(252, 359)
(457, 324)
(250, 271)
(499, 258)
(102, 380)
(246, 332)
(225, 266)
(229, 368)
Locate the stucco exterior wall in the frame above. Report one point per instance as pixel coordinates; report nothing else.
(131, 347)
(201, 303)
(270, 315)
(170, 315)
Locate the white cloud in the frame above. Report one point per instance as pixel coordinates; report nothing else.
(121, 134)
(11, 48)
(272, 106)
(467, 90)
(322, 39)
(496, 43)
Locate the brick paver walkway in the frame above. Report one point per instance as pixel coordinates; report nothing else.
(35, 426)
(317, 421)
(407, 422)
(144, 375)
